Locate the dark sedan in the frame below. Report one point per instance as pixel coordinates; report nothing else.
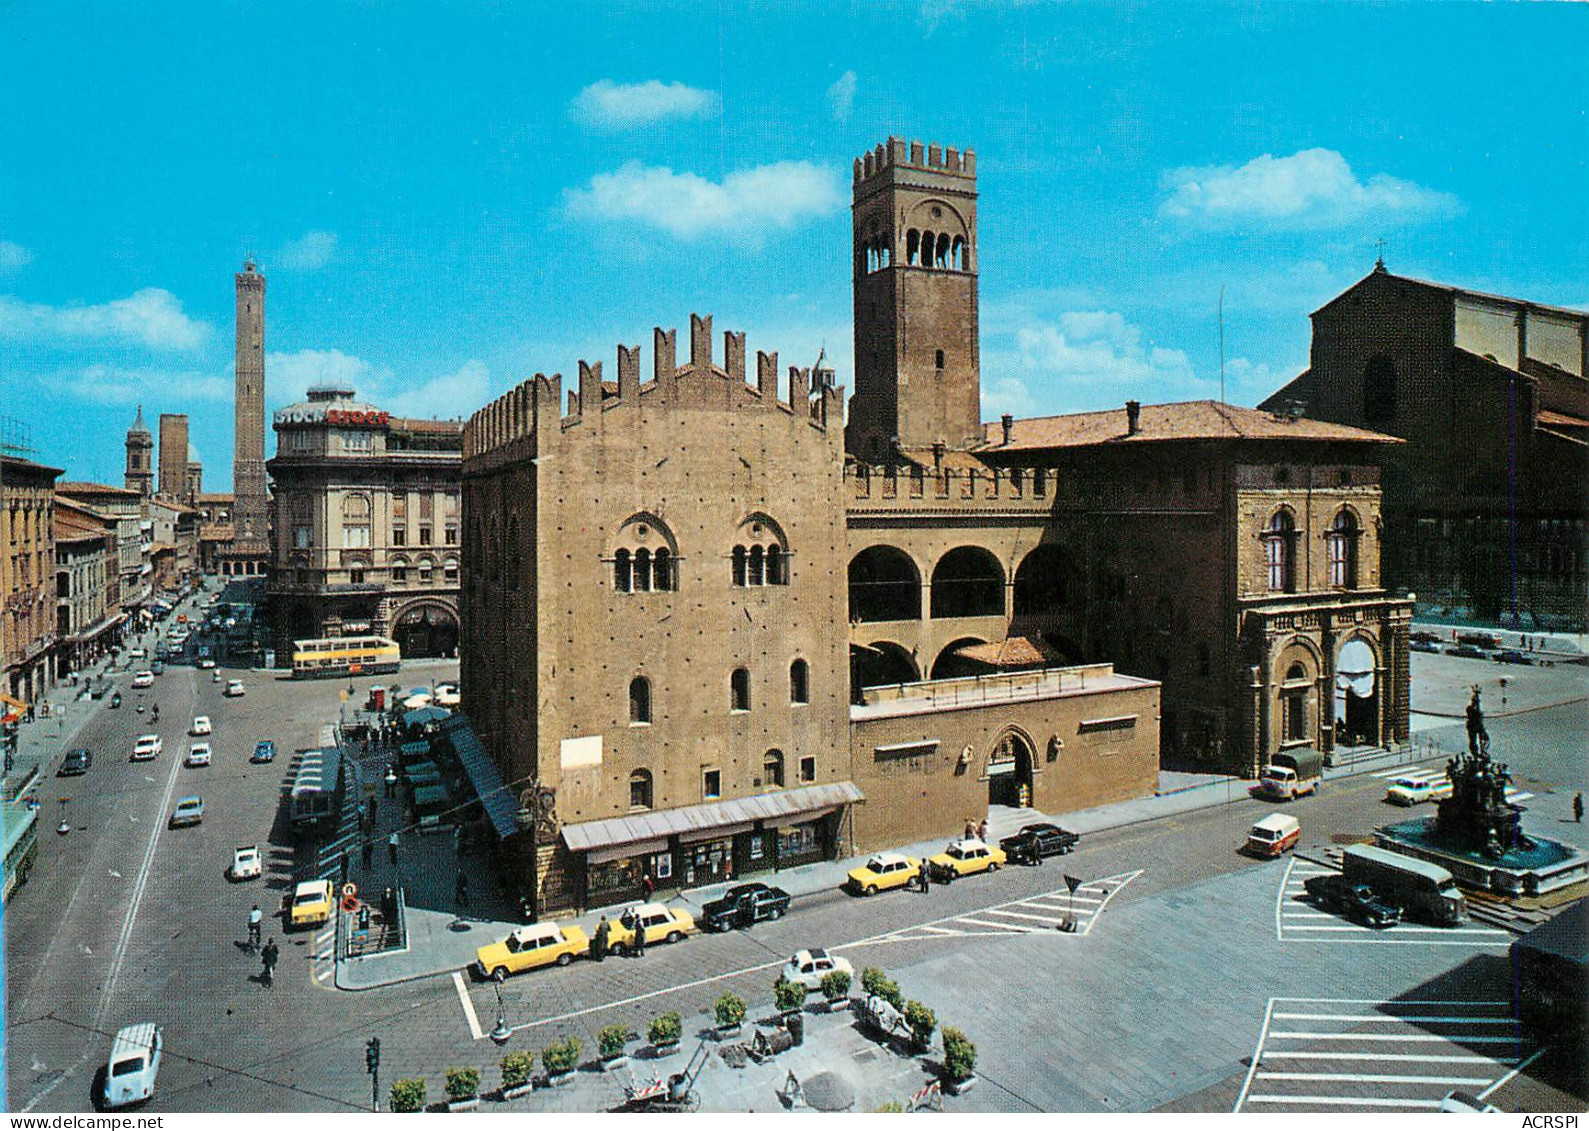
(742, 905)
(264, 752)
(76, 762)
(1033, 842)
(1358, 902)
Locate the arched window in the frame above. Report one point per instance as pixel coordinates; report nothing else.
(449, 570)
(884, 585)
(968, 582)
(622, 572)
(426, 567)
(645, 557)
(772, 768)
(942, 258)
(739, 690)
(662, 570)
(913, 248)
(1279, 542)
(639, 700)
(1341, 540)
(1379, 390)
(740, 572)
(640, 789)
(1294, 704)
(775, 570)
(761, 553)
(399, 569)
(958, 254)
(799, 682)
(642, 571)
(755, 575)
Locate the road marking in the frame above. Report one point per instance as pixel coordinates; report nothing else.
(468, 1006)
(1510, 1076)
(1346, 1101)
(1253, 1061)
(1409, 1038)
(1398, 1057)
(1297, 920)
(1376, 1078)
(1015, 927)
(1451, 1019)
(1022, 915)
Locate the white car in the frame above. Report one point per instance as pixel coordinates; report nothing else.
(147, 748)
(234, 688)
(137, 653)
(809, 967)
(1411, 791)
(447, 695)
(198, 754)
(206, 662)
(143, 679)
(247, 864)
(201, 725)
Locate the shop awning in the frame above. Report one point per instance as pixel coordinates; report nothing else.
(10, 702)
(423, 716)
(500, 803)
(688, 821)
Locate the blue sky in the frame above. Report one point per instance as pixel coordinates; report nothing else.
(448, 199)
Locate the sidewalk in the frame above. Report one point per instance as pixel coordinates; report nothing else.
(41, 743)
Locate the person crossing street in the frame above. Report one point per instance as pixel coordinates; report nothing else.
(269, 957)
(255, 919)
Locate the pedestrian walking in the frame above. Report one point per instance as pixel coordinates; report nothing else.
(256, 917)
(1577, 808)
(639, 938)
(391, 846)
(982, 829)
(650, 886)
(391, 781)
(924, 881)
(269, 956)
(971, 829)
(598, 944)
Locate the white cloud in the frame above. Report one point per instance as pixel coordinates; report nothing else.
(619, 106)
(124, 385)
(13, 257)
(290, 376)
(689, 206)
(1311, 189)
(841, 96)
(455, 394)
(309, 252)
(152, 317)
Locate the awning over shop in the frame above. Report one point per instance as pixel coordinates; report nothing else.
(499, 802)
(10, 702)
(423, 716)
(1011, 652)
(420, 749)
(688, 822)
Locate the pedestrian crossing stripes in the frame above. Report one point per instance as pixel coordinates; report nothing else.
(1378, 1054)
(1433, 774)
(1044, 912)
(1298, 920)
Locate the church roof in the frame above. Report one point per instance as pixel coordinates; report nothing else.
(81, 487)
(1181, 420)
(138, 425)
(1448, 288)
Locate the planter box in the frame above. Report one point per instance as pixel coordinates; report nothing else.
(558, 1079)
(659, 1051)
(960, 1087)
(608, 1063)
(726, 1031)
(518, 1091)
(464, 1105)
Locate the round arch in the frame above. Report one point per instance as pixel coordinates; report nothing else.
(1008, 766)
(968, 581)
(879, 664)
(1357, 691)
(950, 666)
(884, 585)
(426, 627)
(1045, 581)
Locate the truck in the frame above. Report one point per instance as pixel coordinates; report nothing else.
(1291, 774)
(1424, 890)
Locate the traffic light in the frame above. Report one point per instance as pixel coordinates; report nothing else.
(372, 1054)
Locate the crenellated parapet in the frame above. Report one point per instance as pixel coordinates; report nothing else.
(529, 412)
(897, 153)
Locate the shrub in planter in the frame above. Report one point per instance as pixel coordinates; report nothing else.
(408, 1095)
(562, 1056)
(729, 1011)
(516, 1069)
(959, 1055)
(921, 1022)
(610, 1041)
(835, 985)
(463, 1084)
(890, 1108)
(789, 996)
(665, 1029)
(871, 978)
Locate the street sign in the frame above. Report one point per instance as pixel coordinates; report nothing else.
(1072, 883)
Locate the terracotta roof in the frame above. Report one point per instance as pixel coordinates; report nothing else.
(1011, 652)
(1447, 288)
(217, 497)
(79, 487)
(952, 461)
(1182, 420)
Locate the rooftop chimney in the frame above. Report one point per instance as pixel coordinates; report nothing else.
(1008, 423)
(1133, 417)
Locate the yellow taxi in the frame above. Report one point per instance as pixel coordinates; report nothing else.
(311, 904)
(964, 857)
(882, 871)
(661, 924)
(539, 944)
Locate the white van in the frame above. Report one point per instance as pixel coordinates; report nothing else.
(134, 1064)
(1273, 835)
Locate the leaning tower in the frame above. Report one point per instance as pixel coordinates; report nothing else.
(250, 508)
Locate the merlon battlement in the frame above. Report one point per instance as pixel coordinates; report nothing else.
(896, 152)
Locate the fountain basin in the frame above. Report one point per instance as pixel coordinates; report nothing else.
(1543, 867)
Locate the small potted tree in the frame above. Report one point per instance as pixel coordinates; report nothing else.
(879, 984)
(664, 1033)
(835, 987)
(408, 1095)
(922, 1023)
(610, 1045)
(790, 997)
(730, 1013)
(959, 1061)
(561, 1058)
(516, 1069)
(463, 1089)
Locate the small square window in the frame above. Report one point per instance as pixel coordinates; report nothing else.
(399, 536)
(356, 576)
(711, 784)
(808, 768)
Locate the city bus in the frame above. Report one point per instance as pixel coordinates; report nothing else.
(344, 655)
(315, 801)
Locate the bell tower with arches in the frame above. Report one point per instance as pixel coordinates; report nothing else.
(917, 367)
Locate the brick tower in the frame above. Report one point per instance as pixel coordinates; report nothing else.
(917, 375)
(140, 457)
(250, 509)
(173, 456)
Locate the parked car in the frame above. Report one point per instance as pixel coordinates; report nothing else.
(143, 679)
(1425, 646)
(1459, 1102)
(1412, 791)
(539, 944)
(1031, 843)
(809, 967)
(189, 811)
(247, 864)
(310, 904)
(881, 872)
(447, 695)
(157, 668)
(147, 748)
(76, 762)
(742, 905)
(137, 653)
(264, 751)
(206, 662)
(1469, 652)
(201, 725)
(134, 1065)
(1334, 892)
(660, 923)
(1513, 656)
(234, 688)
(198, 755)
(965, 857)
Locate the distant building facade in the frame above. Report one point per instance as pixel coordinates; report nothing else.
(140, 458)
(88, 585)
(174, 456)
(367, 532)
(1486, 501)
(126, 507)
(27, 579)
